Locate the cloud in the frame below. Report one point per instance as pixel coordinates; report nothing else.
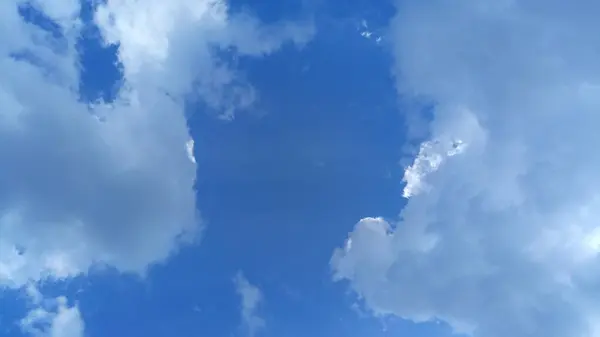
(251, 298)
(111, 183)
(503, 240)
(52, 318)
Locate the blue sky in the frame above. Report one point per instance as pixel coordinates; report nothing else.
(366, 168)
(315, 152)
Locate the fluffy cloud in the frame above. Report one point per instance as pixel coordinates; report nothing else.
(251, 297)
(501, 238)
(52, 317)
(111, 183)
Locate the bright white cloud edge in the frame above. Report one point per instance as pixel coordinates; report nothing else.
(500, 239)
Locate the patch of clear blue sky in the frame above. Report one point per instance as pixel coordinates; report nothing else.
(279, 187)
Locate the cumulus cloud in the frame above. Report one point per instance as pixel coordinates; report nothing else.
(251, 297)
(52, 317)
(111, 183)
(503, 239)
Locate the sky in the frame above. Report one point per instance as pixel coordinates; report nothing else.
(299, 168)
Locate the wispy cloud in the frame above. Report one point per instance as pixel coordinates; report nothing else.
(251, 298)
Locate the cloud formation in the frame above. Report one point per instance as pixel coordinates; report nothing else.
(111, 183)
(504, 238)
(251, 297)
(52, 317)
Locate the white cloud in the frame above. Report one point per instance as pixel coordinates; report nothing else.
(189, 145)
(176, 40)
(503, 241)
(367, 33)
(431, 156)
(111, 183)
(251, 298)
(52, 318)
